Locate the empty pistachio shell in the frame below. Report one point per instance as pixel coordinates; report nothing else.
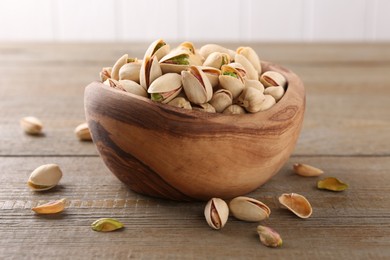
(269, 237)
(297, 204)
(52, 207)
(212, 74)
(45, 177)
(216, 213)
(273, 78)
(306, 170)
(249, 209)
(234, 110)
(106, 225)
(332, 184)
(82, 132)
(31, 125)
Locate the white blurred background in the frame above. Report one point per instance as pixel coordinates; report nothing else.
(195, 20)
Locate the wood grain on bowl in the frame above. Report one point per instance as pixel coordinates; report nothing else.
(179, 154)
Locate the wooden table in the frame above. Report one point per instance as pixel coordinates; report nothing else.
(346, 133)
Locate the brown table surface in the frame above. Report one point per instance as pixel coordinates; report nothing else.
(346, 133)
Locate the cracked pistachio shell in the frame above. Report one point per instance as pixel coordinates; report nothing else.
(158, 48)
(118, 64)
(105, 73)
(106, 225)
(31, 125)
(197, 86)
(82, 132)
(234, 110)
(212, 74)
(252, 56)
(248, 209)
(180, 102)
(45, 177)
(269, 237)
(165, 88)
(130, 71)
(251, 99)
(250, 83)
(150, 70)
(251, 72)
(52, 207)
(272, 78)
(216, 213)
(217, 60)
(297, 204)
(207, 49)
(231, 79)
(178, 60)
(276, 92)
(306, 170)
(133, 87)
(221, 100)
(331, 183)
(206, 107)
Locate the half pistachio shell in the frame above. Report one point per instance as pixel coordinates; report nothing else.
(150, 70)
(249, 209)
(332, 183)
(133, 87)
(297, 204)
(197, 86)
(165, 88)
(52, 207)
(105, 73)
(158, 48)
(45, 177)
(306, 170)
(106, 225)
(216, 213)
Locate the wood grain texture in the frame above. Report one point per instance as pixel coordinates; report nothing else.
(345, 133)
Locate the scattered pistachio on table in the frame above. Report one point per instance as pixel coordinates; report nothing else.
(216, 213)
(82, 132)
(306, 170)
(31, 125)
(269, 237)
(45, 177)
(106, 225)
(297, 204)
(52, 207)
(332, 184)
(248, 209)
(212, 76)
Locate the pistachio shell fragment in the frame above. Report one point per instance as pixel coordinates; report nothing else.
(216, 213)
(306, 170)
(269, 237)
(106, 225)
(45, 177)
(297, 204)
(31, 125)
(331, 183)
(248, 209)
(82, 132)
(52, 207)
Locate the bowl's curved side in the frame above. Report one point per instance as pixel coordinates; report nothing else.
(167, 152)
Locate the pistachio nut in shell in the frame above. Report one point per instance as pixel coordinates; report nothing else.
(118, 64)
(251, 99)
(297, 204)
(251, 83)
(106, 225)
(306, 170)
(221, 99)
(248, 209)
(31, 125)
(178, 60)
(158, 48)
(230, 79)
(52, 207)
(216, 213)
(150, 70)
(197, 86)
(130, 71)
(332, 184)
(181, 102)
(238, 67)
(276, 92)
(113, 83)
(165, 88)
(82, 132)
(251, 72)
(105, 73)
(45, 177)
(133, 87)
(273, 78)
(252, 56)
(234, 110)
(205, 107)
(217, 60)
(212, 74)
(207, 49)
(268, 102)
(269, 237)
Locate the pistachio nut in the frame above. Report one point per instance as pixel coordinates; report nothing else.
(248, 209)
(106, 225)
(268, 102)
(216, 213)
(105, 73)
(206, 107)
(231, 80)
(269, 237)
(234, 110)
(165, 88)
(133, 87)
(217, 60)
(221, 100)
(297, 204)
(306, 170)
(31, 125)
(272, 78)
(212, 74)
(251, 99)
(197, 86)
(251, 72)
(150, 70)
(82, 132)
(118, 64)
(251, 55)
(331, 183)
(181, 102)
(251, 83)
(45, 177)
(276, 92)
(178, 60)
(130, 71)
(158, 48)
(52, 207)
(207, 49)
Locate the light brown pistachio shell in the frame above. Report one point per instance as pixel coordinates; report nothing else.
(276, 92)
(52, 207)
(332, 184)
(45, 177)
(133, 87)
(178, 60)
(158, 48)
(297, 204)
(306, 170)
(82, 132)
(31, 125)
(221, 100)
(230, 79)
(150, 70)
(269, 101)
(197, 86)
(251, 99)
(216, 213)
(217, 60)
(272, 78)
(252, 56)
(118, 64)
(212, 74)
(248, 209)
(166, 87)
(207, 49)
(180, 102)
(234, 110)
(130, 71)
(250, 83)
(251, 72)
(269, 237)
(206, 107)
(105, 73)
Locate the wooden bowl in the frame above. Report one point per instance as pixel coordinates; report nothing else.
(179, 154)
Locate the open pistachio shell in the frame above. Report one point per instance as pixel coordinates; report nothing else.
(217, 60)
(178, 60)
(239, 68)
(133, 87)
(251, 99)
(332, 183)
(248, 209)
(216, 213)
(166, 87)
(130, 71)
(118, 64)
(196, 85)
(231, 80)
(158, 48)
(150, 70)
(207, 49)
(221, 100)
(45, 177)
(251, 72)
(297, 204)
(252, 56)
(189, 46)
(273, 78)
(212, 74)
(234, 110)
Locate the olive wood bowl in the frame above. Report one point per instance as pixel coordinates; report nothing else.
(179, 154)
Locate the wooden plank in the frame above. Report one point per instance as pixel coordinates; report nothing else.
(353, 224)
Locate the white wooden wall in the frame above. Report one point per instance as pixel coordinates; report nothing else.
(196, 20)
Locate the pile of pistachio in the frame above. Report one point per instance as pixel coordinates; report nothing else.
(212, 78)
